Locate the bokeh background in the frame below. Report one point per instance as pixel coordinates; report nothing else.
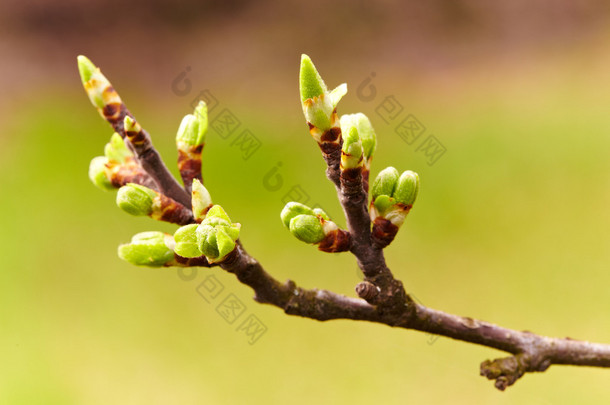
(511, 224)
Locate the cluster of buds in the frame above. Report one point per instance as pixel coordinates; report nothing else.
(131, 165)
(315, 227)
(106, 100)
(320, 107)
(117, 167)
(207, 235)
(203, 243)
(215, 237)
(392, 197)
(359, 143)
(156, 249)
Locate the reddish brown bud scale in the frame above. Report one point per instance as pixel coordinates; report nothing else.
(137, 138)
(329, 148)
(189, 164)
(347, 154)
(169, 210)
(335, 241)
(114, 114)
(204, 212)
(200, 261)
(332, 135)
(233, 259)
(365, 179)
(383, 233)
(129, 172)
(351, 181)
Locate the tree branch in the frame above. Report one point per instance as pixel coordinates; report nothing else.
(146, 154)
(354, 200)
(386, 301)
(316, 304)
(530, 352)
(394, 307)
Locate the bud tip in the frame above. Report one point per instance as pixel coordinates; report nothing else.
(86, 68)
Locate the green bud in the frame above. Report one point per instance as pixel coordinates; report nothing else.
(95, 83)
(86, 68)
(407, 188)
(225, 243)
(351, 156)
(337, 94)
(116, 149)
(97, 173)
(307, 228)
(383, 204)
(217, 212)
(200, 200)
(385, 182)
(188, 130)
(366, 133)
(216, 235)
(233, 231)
(292, 209)
(201, 113)
(311, 83)
(147, 249)
(135, 199)
(186, 241)
(206, 241)
(131, 125)
(317, 102)
(230, 228)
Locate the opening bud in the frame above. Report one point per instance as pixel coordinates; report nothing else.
(311, 83)
(318, 103)
(292, 209)
(385, 182)
(351, 152)
(148, 249)
(188, 131)
(216, 235)
(186, 241)
(201, 113)
(98, 174)
(407, 188)
(116, 149)
(135, 199)
(201, 200)
(382, 205)
(307, 228)
(365, 131)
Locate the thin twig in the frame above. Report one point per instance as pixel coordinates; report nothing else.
(530, 352)
(146, 154)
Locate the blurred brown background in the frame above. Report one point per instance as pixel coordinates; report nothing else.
(260, 41)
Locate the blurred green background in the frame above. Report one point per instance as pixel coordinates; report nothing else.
(511, 225)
